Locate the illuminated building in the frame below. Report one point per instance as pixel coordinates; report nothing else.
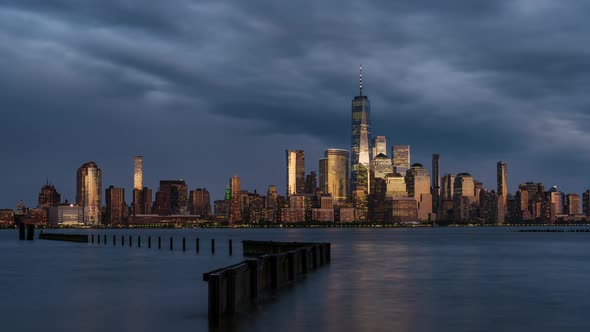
(89, 192)
(502, 185)
(401, 158)
(235, 208)
(66, 214)
(395, 186)
(138, 173)
(573, 204)
(379, 145)
(464, 186)
(418, 187)
(346, 214)
(115, 201)
(48, 197)
(404, 209)
(296, 210)
(557, 199)
(200, 202)
(221, 209)
(381, 166)
(334, 174)
(6, 216)
(361, 140)
(295, 172)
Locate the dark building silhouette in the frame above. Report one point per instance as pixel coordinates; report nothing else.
(48, 197)
(176, 192)
(116, 207)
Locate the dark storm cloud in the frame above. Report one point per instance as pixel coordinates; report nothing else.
(192, 85)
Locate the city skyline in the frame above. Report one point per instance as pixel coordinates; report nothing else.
(69, 98)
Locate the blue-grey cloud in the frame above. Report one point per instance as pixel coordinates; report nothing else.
(206, 89)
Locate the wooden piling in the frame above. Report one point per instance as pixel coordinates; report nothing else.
(159, 242)
(91, 237)
(114, 240)
(212, 246)
(31, 232)
(21, 231)
(149, 241)
(231, 249)
(183, 244)
(171, 243)
(130, 241)
(139, 241)
(122, 240)
(197, 244)
(104, 239)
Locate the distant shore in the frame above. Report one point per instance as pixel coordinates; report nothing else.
(292, 225)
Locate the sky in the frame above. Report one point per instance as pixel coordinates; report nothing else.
(211, 88)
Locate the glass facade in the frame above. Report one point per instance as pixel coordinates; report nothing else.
(361, 141)
(89, 192)
(295, 172)
(334, 174)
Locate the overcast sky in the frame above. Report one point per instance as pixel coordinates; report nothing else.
(208, 89)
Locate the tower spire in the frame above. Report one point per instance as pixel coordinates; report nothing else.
(361, 79)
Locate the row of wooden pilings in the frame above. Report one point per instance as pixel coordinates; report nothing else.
(30, 232)
(103, 239)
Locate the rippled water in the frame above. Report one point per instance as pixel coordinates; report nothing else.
(446, 279)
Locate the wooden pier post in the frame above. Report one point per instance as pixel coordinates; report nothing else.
(21, 232)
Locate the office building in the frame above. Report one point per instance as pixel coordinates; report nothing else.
(361, 140)
(200, 203)
(176, 192)
(235, 206)
(401, 158)
(89, 192)
(66, 214)
(48, 197)
(379, 145)
(116, 207)
(573, 204)
(138, 173)
(295, 172)
(334, 174)
(435, 182)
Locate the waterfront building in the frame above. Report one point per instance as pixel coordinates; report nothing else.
(523, 212)
(221, 210)
(6, 216)
(66, 214)
(116, 207)
(404, 209)
(435, 182)
(360, 204)
(161, 205)
(418, 187)
(401, 158)
(502, 187)
(235, 208)
(334, 174)
(573, 204)
(379, 144)
(177, 193)
(200, 202)
(295, 172)
(48, 197)
(361, 140)
(89, 192)
(146, 200)
(346, 214)
(296, 210)
(557, 199)
(586, 203)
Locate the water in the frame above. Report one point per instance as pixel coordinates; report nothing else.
(447, 279)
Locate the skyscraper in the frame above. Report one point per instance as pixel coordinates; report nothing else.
(48, 197)
(502, 183)
(435, 182)
(418, 187)
(200, 202)
(573, 204)
(89, 192)
(235, 206)
(138, 173)
(379, 144)
(115, 201)
(361, 140)
(295, 172)
(176, 192)
(334, 174)
(401, 158)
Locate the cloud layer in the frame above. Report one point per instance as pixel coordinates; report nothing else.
(208, 89)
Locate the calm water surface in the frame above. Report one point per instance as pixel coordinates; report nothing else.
(451, 279)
